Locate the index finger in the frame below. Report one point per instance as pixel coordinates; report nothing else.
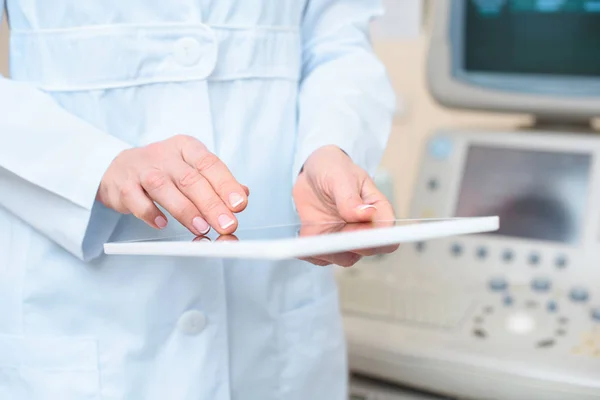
(217, 174)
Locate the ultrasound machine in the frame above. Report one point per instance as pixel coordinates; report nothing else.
(512, 315)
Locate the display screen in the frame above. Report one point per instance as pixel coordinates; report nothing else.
(539, 37)
(537, 195)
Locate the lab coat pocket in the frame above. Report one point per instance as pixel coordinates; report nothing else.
(50, 368)
(314, 352)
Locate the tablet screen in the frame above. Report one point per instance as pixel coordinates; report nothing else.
(304, 240)
(284, 232)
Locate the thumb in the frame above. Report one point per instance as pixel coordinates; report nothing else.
(349, 203)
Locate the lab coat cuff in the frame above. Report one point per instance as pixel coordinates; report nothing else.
(356, 149)
(101, 221)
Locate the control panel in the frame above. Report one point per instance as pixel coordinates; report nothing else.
(369, 389)
(513, 314)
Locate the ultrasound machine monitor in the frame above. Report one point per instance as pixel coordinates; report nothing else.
(537, 57)
(512, 314)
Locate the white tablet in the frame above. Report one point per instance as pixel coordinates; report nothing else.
(305, 240)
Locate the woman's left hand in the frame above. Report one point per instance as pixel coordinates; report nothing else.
(331, 188)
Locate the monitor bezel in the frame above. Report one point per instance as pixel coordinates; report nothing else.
(558, 85)
(468, 93)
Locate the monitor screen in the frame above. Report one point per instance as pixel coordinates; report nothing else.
(537, 37)
(537, 195)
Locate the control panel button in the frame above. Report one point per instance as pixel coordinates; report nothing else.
(520, 323)
(440, 148)
(508, 256)
(546, 343)
(456, 249)
(420, 246)
(541, 285)
(433, 184)
(534, 259)
(498, 284)
(480, 333)
(596, 314)
(551, 306)
(579, 294)
(561, 262)
(508, 301)
(482, 253)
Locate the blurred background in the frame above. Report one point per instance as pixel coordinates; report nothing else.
(512, 315)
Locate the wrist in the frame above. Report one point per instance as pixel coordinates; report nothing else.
(328, 152)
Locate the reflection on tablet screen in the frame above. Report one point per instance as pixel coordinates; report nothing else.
(292, 231)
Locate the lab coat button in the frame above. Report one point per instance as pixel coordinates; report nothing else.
(192, 322)
(187, 51)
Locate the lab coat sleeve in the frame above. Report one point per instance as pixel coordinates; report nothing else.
(345, 96)
(51, 164)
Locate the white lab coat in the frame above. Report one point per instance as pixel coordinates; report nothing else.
(263, 83)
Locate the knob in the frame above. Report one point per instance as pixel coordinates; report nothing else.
(440, 148)
(457, 249)
(433, 184)
(552, 306)
(534, 259)
(596, 314)
(508, 256)
(482, 252)
(540, 285)
(561, 261)
(508, 300)
(498, 284)
(579, 294)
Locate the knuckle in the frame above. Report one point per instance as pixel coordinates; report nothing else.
(207, 162)
(146, 213)
(212, 204)
(225, 186)
(183, 211)
(127, 191)
(154, 180)
(181, 138)
(154, 150)
(189, 179)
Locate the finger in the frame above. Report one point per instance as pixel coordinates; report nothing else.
(201, 239)
(217, 174)
(369, 226)
(347, 196)
(246, 190)
(315, 261)
(384, 211)
(197, 189)
(227, 238)
(346, 259)
(320, 229)
(377, 250)
(161, 189)
(134, 199)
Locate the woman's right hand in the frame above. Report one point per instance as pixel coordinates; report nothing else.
(181, 175)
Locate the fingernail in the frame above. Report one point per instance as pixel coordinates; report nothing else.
(235, 199)
(225, 221)
(366, 207)
(201, 225)
(161, 222)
